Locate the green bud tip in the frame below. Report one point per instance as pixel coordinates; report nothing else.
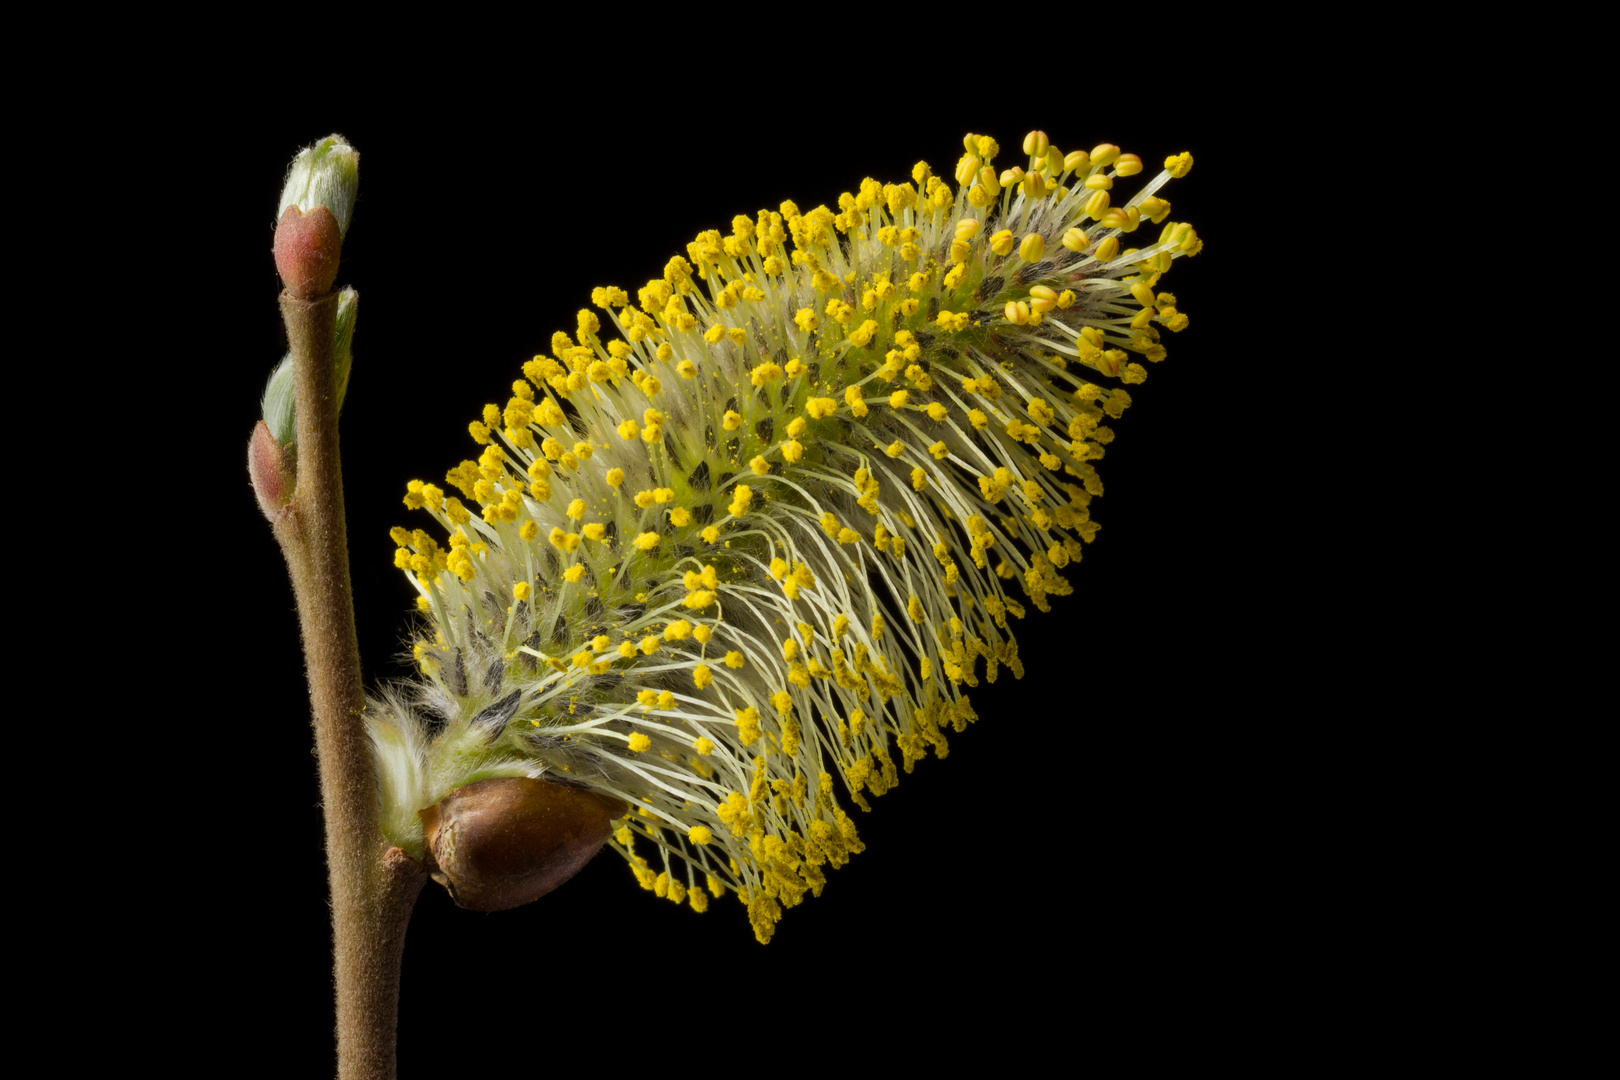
(326, 174)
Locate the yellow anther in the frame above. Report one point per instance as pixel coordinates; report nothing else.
(1032, 248)
(1036, 143)
(1002, 242)
(1076, 240)
(1154, 209)
(1179, 165)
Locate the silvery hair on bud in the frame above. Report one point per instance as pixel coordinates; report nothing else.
(424, 748)
(326, 174)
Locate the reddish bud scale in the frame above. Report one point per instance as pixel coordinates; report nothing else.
(307, 249)
(270, 470)
(498, 844)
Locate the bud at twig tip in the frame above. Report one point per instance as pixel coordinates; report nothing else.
(317, 204)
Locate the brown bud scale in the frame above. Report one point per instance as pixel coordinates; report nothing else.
(498, 844)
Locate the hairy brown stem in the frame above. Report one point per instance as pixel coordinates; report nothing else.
(374, 886)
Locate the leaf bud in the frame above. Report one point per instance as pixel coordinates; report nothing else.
(278, 405)
(271, 470)
(316, 207)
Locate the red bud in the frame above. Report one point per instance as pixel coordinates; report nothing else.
(307, 248)
(270, 470)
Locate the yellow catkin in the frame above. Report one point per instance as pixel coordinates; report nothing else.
(665, 567)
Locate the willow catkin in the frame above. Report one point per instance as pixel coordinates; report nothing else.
(737, 541)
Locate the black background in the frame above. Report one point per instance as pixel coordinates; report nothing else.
(1108, 853)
